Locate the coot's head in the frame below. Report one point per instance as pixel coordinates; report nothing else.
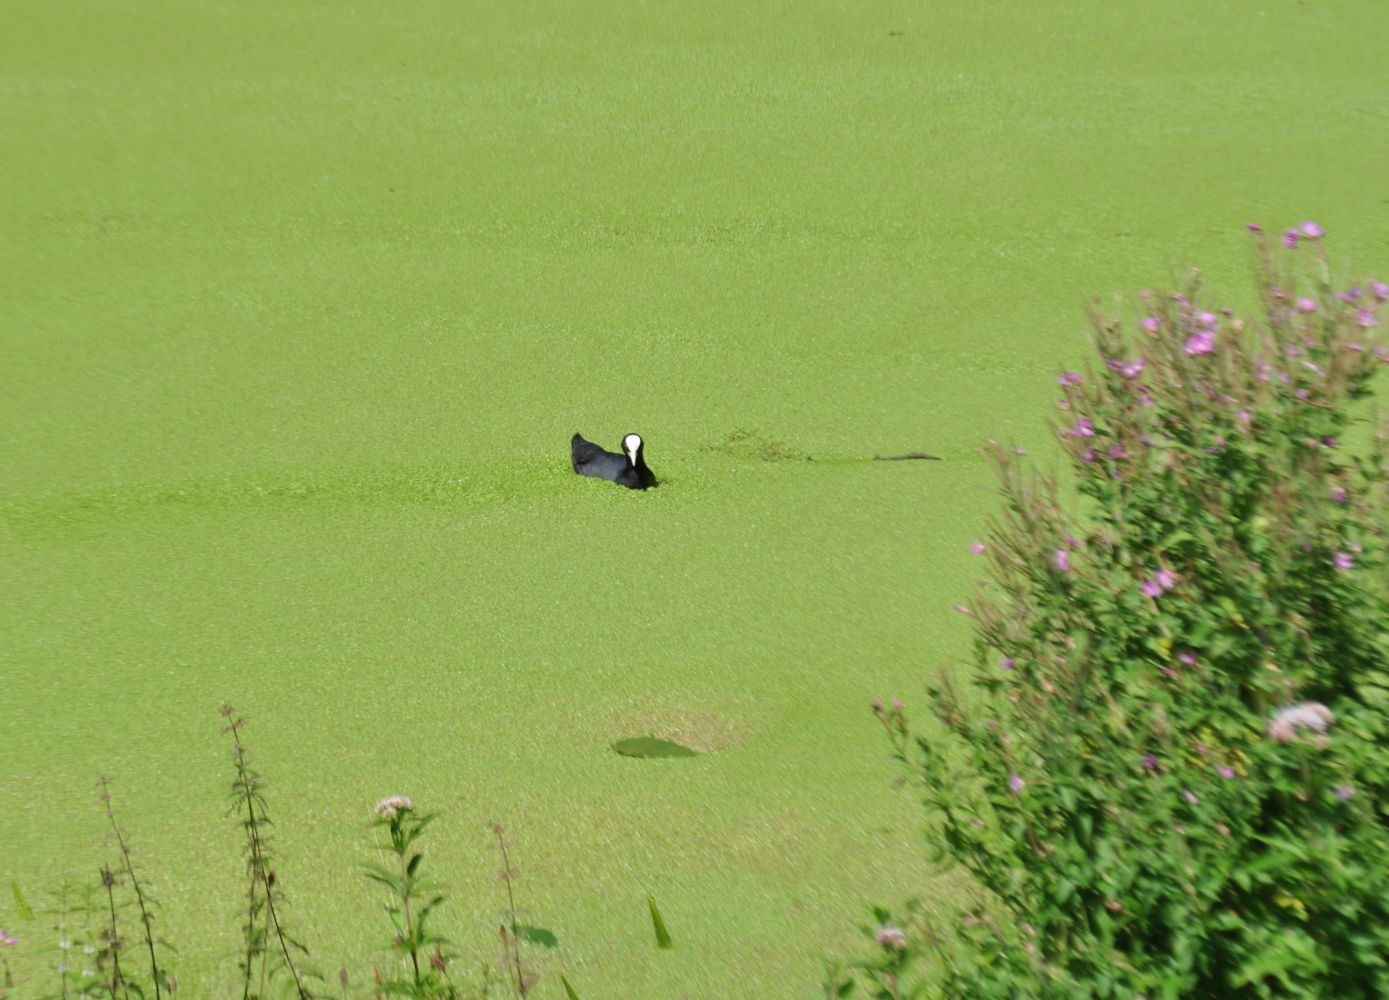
(631, 444)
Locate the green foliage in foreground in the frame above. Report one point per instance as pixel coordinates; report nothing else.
(1170, 772)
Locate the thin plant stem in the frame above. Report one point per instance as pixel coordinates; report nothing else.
(108, 881)
(260, 873)
(521, 988)
(145, 919)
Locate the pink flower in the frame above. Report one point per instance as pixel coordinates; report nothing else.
(1069, 378)
(1201, 342)
(1290, 239)
(1061, 559)
(1016, 783)
(1379, 290)
(891, 937)
(1208, 319)
(1254, 227)
(1310, 231)
(977, 548)
(1007, 663)
(962, 609)
(1150, 324)
(1133, 368)
(389, 806)
(1343, 560)
(1166, 579)
(1150, 588)
(1187, 657)
(1338, 494)
(1366, 318)
(1288, 720)
(1084, 428)
(1344, 792)
(1226, 772)
(1306, 305)
(1242, 418)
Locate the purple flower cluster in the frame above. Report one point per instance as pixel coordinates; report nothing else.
(1162, 580)
(1203, 340)
(1128, 369)
(1306, 231)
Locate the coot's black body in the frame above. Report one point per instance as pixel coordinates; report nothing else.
(627, 469)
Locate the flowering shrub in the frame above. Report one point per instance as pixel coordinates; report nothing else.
(1169, 774)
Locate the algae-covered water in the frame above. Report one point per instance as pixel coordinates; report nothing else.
(300, 303)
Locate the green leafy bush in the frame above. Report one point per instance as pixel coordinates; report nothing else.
(1169, 773)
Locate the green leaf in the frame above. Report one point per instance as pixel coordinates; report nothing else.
(21, 907)
(651, 746)
(568, 990)
(658, 925)
(537, 935)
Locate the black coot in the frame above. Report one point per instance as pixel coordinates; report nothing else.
(627, 469)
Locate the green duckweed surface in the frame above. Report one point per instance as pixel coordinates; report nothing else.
(301, 301)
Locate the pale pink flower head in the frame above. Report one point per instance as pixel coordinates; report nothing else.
(1061, 559)
(1379, 290)
(1366, 318)
(1307, 305)
(1338, 494)
(1149, 324)
(1007, 663)
(977, 548)
(1225, 771)
(392, 804)
(1310, 231)
(1312, 715)
(891, 937)
(1150, 588)
(8, 940)
(1290, 239)
(1165, 578)
(1345, 792)
(1343, 560)
(1069, 378)
(1015, 783)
